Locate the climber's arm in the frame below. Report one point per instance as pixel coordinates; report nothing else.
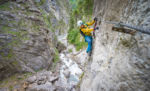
(87, 30)
(90, 23)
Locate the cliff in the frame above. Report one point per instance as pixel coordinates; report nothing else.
(41, 48)
(28, 34)
(120, 62)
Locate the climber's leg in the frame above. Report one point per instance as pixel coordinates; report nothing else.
(89, 40)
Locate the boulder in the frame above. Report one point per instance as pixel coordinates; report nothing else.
(53, 79)
(31, 79)
(41, 79)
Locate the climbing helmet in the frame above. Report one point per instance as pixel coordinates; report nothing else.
(79, 23)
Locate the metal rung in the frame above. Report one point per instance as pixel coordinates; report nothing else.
(123, 30)
(126, 28)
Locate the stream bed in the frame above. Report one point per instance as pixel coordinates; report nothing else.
(69, 70)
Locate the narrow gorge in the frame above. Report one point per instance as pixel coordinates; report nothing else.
(41, 48)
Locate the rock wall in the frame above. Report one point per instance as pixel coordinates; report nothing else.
(120, 62)
(28, 34)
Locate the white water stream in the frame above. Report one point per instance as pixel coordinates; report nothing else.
(69, 66)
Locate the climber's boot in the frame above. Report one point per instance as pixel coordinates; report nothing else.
(90, 53)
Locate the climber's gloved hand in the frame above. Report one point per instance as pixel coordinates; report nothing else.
(95, 19)
(96, 28)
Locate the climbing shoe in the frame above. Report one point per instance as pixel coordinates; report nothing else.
(89, 53)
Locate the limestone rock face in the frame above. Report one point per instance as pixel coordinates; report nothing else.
(28, 30)
(120, 62)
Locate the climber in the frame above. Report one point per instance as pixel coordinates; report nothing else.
(86, 33)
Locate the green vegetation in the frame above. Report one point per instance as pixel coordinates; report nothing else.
(9, 55)
(55, 60)
(80, 78)
(56, 57)
(40, 3)
(61, 26)
(84, 7)
(11, 88)
(5, 6)
(5, 28)
(70, 50)
(74, 37)
(47, 20)
(15, 63)
(81, 9)
(15, 34)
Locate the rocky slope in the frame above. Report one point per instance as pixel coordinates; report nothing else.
(28, 30)
(65, 77)
(120, 62)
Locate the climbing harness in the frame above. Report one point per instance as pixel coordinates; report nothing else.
(83, 35)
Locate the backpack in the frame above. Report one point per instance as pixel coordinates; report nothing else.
(82, 33)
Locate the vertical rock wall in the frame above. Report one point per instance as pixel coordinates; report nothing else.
(120, 62)
(28, 34)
